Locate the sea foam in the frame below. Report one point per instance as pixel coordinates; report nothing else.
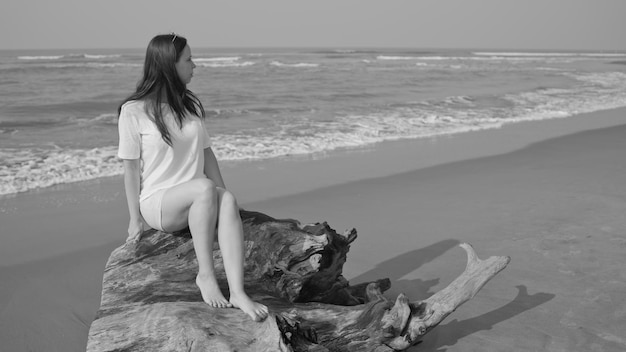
(25, 169)
(549, 54)
(54, 57)
(218, 62)
(68, 56)
(301, 64)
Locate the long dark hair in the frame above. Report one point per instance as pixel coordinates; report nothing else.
(161, 81)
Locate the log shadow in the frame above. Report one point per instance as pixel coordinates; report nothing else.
(450, 333)
(397, 267)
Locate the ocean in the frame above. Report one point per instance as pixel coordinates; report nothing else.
(58, 120)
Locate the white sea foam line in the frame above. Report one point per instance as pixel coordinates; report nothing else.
(112, 64)
(384, 57)
(549, 54)
(70, 56)
(89, 56)
(362, 133)
(357, 131)
(89, 64)
(214, 59)
(56, 57)
(218, 64)
(558, 59)
(30, 169)
(301, 64)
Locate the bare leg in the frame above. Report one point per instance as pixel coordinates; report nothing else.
(194, 204)
(230, 237)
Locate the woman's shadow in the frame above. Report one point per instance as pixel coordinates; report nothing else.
(449, 333)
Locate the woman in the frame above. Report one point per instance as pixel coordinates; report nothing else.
(171, 176)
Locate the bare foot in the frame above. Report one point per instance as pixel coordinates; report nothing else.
(256, 311)
(211, 293)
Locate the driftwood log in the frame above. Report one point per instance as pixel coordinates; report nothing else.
(150, 301)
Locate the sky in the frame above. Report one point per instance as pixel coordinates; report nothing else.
(486, 24)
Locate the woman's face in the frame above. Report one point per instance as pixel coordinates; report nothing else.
(185, 66)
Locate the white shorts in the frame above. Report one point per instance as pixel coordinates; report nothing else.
(150, 209)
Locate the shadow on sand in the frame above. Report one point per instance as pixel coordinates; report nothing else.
(450, 333)
(399, 266)
(447, 334)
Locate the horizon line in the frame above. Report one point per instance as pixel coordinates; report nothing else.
(335, 47)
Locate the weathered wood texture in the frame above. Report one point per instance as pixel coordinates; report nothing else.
(150, 301)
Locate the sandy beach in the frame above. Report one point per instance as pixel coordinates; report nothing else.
(549, 194)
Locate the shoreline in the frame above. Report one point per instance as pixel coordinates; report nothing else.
(547, 193)
(279, 176)
(254, 182)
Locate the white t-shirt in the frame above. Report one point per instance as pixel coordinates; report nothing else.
(162, 166)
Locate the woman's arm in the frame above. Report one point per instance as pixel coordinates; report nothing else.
(132, 176)
(212, 169)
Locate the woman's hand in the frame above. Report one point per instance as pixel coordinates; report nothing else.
(135, 229)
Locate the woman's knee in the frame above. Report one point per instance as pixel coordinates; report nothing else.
(229, 200)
